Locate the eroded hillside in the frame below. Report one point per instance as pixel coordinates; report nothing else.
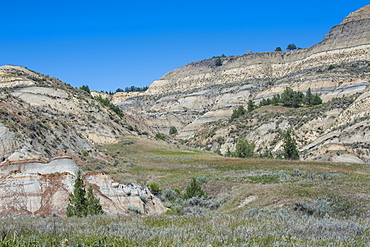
(203, 92)
(49, 130)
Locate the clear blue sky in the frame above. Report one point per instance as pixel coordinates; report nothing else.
(110, 44)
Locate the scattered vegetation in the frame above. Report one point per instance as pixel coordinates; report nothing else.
(133, 89)
(218, 62)
(85, 88)
(238, 113)
(160, 136)
(173, 131)
(291, 98)
(110, 105)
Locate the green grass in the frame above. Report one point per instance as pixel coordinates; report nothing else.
(256, 201)
(276, 183)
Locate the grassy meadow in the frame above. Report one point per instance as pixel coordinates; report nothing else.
(250, 202)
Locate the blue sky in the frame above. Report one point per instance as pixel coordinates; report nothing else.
(110, 44)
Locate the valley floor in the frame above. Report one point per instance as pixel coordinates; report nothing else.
(249, 202)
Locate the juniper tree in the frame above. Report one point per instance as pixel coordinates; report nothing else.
(81, 205)
(309, 96)
(173, 131)
(316, 100)
(237, 113)
(77, 200)
(251, 105)
(290, 146)
(244, 149)
(194, 190)
(93, 203)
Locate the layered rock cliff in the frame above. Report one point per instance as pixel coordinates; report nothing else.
(36, 187)
(41, 119)
(203, 92)
(49, 117)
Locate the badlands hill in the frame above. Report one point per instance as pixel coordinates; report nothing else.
(49, 130)
(192, 98)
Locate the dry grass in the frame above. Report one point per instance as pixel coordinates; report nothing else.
(275, 183)
(251, 202)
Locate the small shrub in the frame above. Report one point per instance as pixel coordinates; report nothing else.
(194, 190)
(160, 136)
(319, 208)
(218, 62)
(169, 194)
(297, 173)
(173, 131)
(134, 209)
(327, 175)
(331, 67)
(201, 179)
(154, 188)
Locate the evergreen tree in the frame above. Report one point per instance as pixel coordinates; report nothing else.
(173, 131)
(291, 47)
(263, 102)
(244, 149)
(218, 62)
(93, 203)
(316, 100)
(309, 96)
(77, 201)
(237, 113)
(251, 105)
(291, 98)
(194, 190)
(80, 205)
(290, 146)
(275, 99)
(85, 88)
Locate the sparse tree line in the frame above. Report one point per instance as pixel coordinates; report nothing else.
(110, 105)
(127, 89)
(245, 149)
(290, 47)
(289, 98)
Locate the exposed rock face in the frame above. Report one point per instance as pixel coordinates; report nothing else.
(201, 92)
(39, 188)
(51, 118)
(202, 86)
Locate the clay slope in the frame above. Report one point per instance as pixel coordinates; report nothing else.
(42, 117)
(201, 92)
(187, 93)
(38, 188)
(46, 126)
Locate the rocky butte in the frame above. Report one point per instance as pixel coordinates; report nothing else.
(193, 97)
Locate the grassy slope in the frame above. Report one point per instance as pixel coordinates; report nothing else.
(274, 182)
(258, 212)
